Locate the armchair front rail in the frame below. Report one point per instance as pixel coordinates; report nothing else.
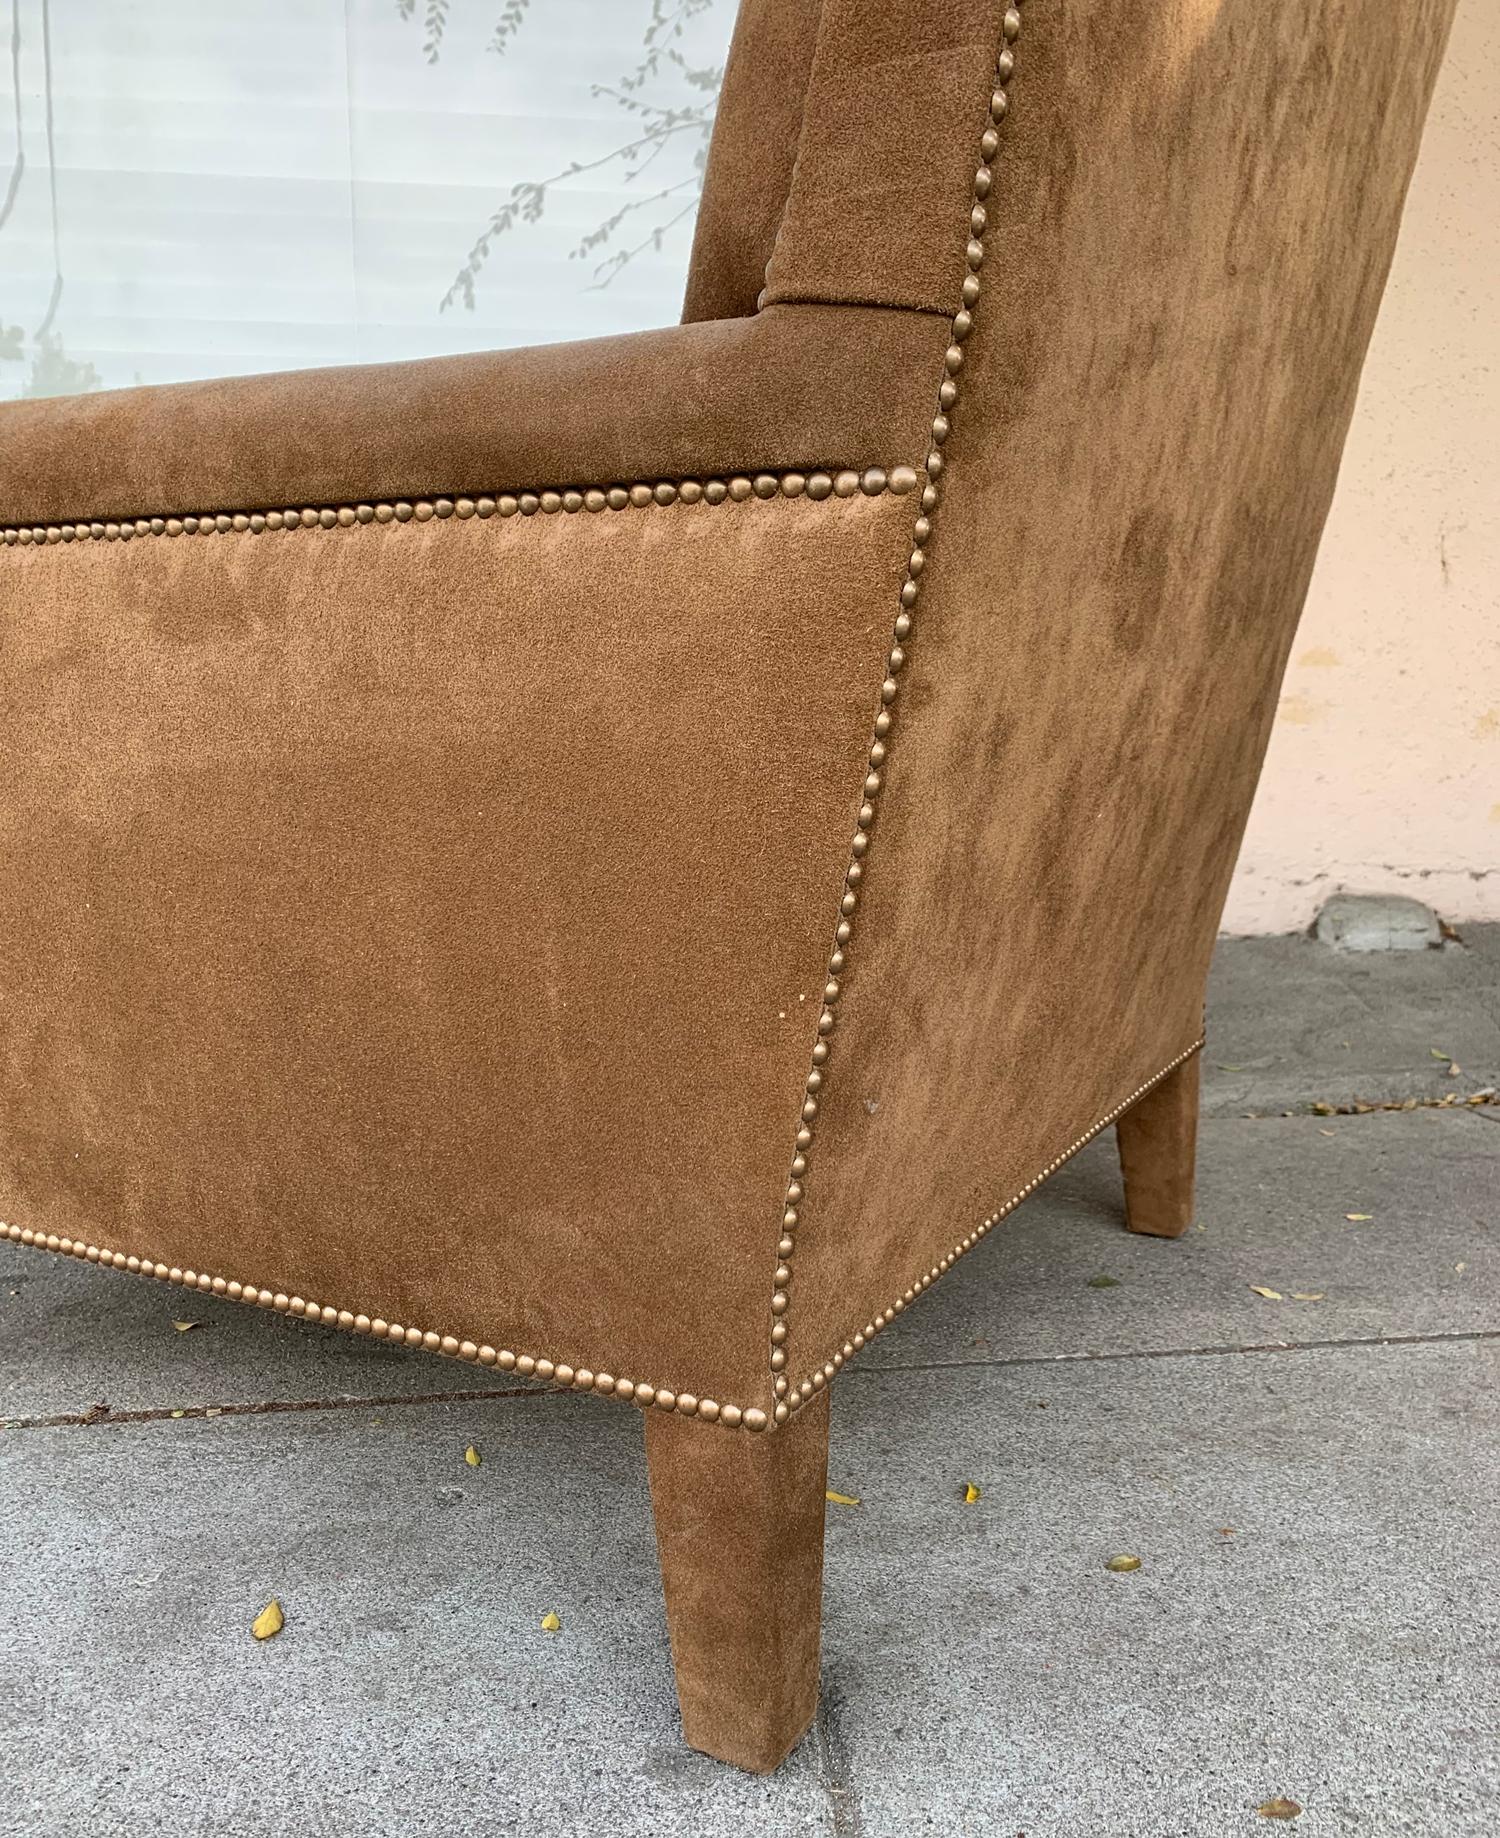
(581, 859)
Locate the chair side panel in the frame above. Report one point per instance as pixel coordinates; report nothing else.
(428, 919)
(1193, 211)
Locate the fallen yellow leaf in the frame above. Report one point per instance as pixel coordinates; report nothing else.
(841, 1499)
(550, 1622)
(971, 1493)
(1279, 1808)
(1461, 1265)
(179, 1413)
(269, 1622)
(186, 1327)
(1226, 1531)
(1271, 1295)
(1122, 1564)
(1308, 1295)
(472, 1456)
(1358, 1218)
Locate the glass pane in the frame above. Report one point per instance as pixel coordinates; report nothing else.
(192, 190)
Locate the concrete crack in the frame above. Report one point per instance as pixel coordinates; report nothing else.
(834, 1766)
(100, 1415)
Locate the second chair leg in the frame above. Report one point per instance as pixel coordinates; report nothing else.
(739, 1525)
(1158, 1149)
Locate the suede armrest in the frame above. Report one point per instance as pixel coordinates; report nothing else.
(797, 386)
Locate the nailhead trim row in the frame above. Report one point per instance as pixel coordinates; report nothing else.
(847, 483)
(796, 1397)
(789, 1397)
(562, 1377)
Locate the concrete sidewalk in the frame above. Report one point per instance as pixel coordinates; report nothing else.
(1310, 1486)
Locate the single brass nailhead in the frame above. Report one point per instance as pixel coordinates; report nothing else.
(961, 326)
(874, 480)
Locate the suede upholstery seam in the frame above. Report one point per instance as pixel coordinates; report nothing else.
(818, 484)
(811, 298)
(788, 1397)
(558, 1375)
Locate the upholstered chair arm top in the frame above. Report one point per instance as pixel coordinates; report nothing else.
(794, 387)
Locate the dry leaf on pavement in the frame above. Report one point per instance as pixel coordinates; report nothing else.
(551, 1622)
(269, 1622)
(971, 1493)
(472, 1456)
(1271, 1295)
(1123, 1564)
(1279, 1808)
(842, 1499)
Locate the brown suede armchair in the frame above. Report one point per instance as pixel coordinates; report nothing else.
(588, 860)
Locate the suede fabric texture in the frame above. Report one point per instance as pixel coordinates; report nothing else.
(1194, 209)
(880, 198)
(428, 920)
(739, 395)
(739, 1528)
(429, 907)
(1158, 1140)
(432, 920)
(749, 174)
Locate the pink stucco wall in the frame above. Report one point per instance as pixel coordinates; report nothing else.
(1384, 768)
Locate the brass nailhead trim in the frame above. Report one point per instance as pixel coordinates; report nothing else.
(565, 1377)
(871, 482)
(796, 1397)
(789, 1397)
(555, 1373)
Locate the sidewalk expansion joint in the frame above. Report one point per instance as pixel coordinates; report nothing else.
(98, 1415)
(834, 1765)
(1205, 1352)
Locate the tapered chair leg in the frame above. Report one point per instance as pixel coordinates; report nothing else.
(1158, 1148)
(739, 1525)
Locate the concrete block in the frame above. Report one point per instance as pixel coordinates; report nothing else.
(1378, 922)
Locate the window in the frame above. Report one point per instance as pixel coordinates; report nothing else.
(191, 189)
